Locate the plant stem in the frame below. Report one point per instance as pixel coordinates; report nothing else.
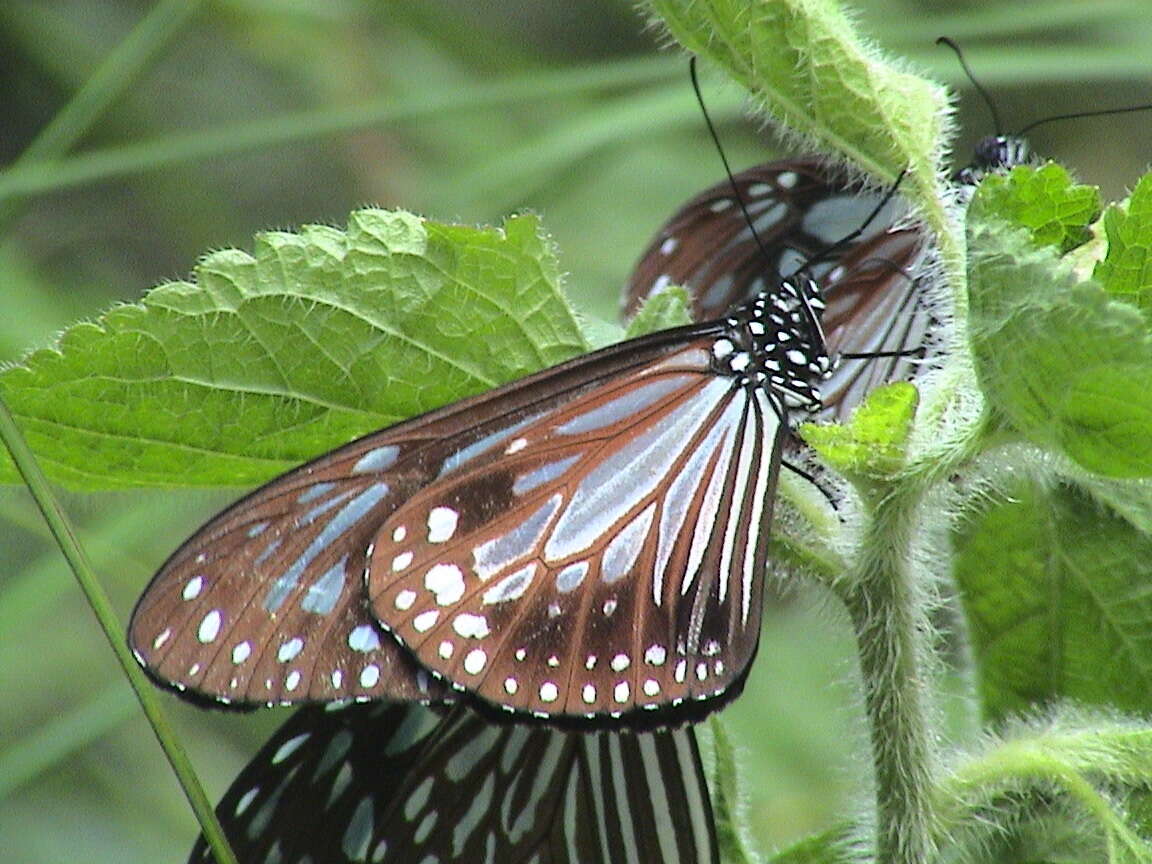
(888, 619)
(65, 537)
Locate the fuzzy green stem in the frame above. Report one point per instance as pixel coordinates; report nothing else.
(887, 617)
(1046, 763)
(65, 536)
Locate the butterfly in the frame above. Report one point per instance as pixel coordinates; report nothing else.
(588, 542)
(881, 317)
(399, 784)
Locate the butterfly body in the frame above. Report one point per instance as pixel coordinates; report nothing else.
(585, 542)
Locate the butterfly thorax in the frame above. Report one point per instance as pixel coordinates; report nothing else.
(774, 342)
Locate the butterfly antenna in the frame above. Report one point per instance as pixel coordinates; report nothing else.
(1079, 114)
(944, 40)
(724, 157)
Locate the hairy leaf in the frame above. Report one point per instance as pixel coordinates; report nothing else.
(265, 360)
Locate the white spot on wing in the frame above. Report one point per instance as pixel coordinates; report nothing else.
(442, 523)
(209, 626)
(369, 675)
(655, 655)
(290, 649)
(241, 652)
(425, 621)
(446, 581)
(192, 589)
(364, 638)
(471, 626)
(474, 661)
(405, 599)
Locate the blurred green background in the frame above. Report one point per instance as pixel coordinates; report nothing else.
(230, 117)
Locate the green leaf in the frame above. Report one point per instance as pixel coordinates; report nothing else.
(1127, 268)
(1043, 200)
(1058, 598)
(1069, 367)
(268, 359)
(872, 443)
(670, 308)
(1131, 499)
(806, 67)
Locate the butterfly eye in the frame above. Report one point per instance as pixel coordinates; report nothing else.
(400, 784)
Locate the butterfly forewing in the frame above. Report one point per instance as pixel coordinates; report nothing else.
(370, 783)
(265, 604)
(602, 559)
(877, 298)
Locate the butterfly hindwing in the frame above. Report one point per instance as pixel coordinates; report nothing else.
(265, 603)
(400, 784)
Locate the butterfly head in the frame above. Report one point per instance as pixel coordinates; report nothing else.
(775, 341)
(993, 153)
